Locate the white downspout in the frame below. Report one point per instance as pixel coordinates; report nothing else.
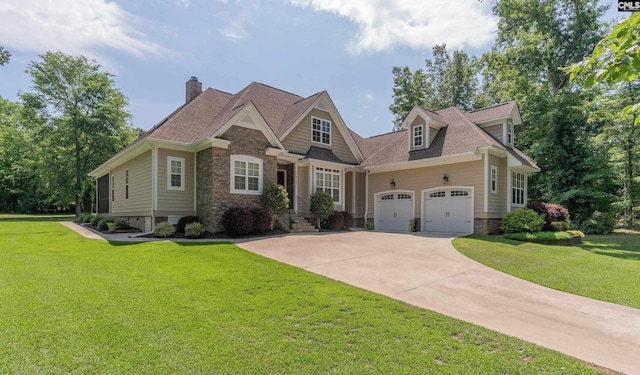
(486, 182)
(295, 187)
(154, 185)
(353, 192)
(366, 197)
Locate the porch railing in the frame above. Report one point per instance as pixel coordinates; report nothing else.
(304, 207)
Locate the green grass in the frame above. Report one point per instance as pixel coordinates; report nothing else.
(78, 306)
(603, 267)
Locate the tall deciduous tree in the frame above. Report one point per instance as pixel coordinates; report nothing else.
(446, 81)
(19, 187)
(535, 38)
(79, 119)
(409, 90)
(4, 56)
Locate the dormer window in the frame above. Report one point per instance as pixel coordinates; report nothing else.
(509, 131)
(321, 131)
(418, 136)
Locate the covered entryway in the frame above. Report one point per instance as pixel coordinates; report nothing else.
(448, 210)
(393, 210)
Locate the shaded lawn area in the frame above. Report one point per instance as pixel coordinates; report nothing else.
(74, 305)
(604, 267)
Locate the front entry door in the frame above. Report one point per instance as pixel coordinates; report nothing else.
(282, 181)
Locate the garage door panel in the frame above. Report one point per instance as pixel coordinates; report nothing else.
(449, 211)
(393, 211)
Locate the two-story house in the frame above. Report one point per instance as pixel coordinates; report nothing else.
(446, 170)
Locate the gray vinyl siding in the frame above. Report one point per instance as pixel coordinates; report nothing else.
(495, 131)
(418, 179)
(497, 202)
(175, 202)
(360, 195)
(299, 140)
(432, 134)
(139, 202)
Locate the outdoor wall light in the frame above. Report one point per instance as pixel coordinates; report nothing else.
(393, 183)
(445, 179)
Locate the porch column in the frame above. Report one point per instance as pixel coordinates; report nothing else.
(295, 187)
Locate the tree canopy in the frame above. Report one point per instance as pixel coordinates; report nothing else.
(77, 118)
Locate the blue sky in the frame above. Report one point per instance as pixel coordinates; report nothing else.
(152, 47)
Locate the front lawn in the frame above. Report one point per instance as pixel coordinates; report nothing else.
(603, 267)
(73, 305)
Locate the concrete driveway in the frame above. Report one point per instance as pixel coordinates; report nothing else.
(426, 271)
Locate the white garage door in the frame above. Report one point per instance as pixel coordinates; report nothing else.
(448, 211)
(393, 211)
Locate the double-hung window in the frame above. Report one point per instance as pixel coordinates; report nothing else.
(418, 136)
(246, 175)
(517, 188)
(321, 131)
(509, 132)
(493, 187)
(175, 173)
(328, 180)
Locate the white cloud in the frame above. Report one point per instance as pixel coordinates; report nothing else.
(71, 26)
(183, 3)
(370, 97)
(234, 31)
(419, 24)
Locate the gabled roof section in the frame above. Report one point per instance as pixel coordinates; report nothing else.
(370, 146)
(189, 122)
(323, 101)
(459, 137)
(498, 111)
(428, 115)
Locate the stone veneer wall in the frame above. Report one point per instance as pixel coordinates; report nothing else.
(213, 191)
(486, 226)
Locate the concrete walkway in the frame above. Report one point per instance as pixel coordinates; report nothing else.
(428, 272)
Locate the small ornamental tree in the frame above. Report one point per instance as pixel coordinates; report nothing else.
(321, 206)
(276, 199)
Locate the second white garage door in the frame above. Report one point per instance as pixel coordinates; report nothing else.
(448, 210)
(393, 211)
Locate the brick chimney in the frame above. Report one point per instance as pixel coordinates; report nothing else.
(194, 88)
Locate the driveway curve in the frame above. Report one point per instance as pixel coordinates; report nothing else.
(426, 271)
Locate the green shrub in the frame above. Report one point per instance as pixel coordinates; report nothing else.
(576, 233)
(275, 198)
(180, 227)
(368, 225)
(599, 223)
(348, 219)
(86, 217)
(551, 213)
(122, 224)
(102, 224)
(164, 230)
(539, 236)
(237, 221)
(559, 226)
(96, 219)
(262, 219)
(194, 230)
(321, 206)
(412, 226)
(522, 220)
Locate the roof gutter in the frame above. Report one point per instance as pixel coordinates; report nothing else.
(458, 158)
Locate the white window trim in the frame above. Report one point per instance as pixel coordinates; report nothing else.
(321, 132)
(524, 189)
(508, 133)
(493, 179)
(113, 188)
(250, 159)
(332, 171)
(126, 184)
(421, 136)
(183, 171)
